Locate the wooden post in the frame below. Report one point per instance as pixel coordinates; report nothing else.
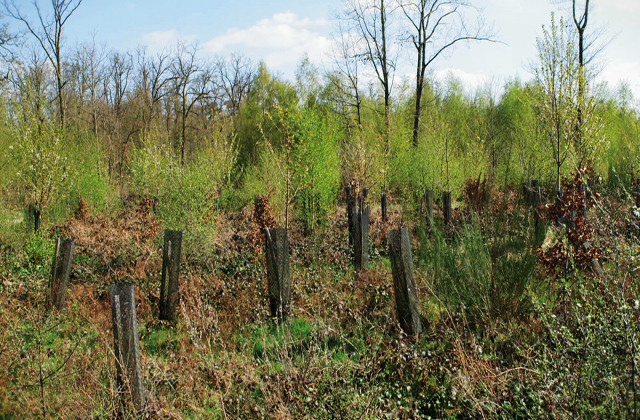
(60, 271)
(638, 193)
(535, 193)
(127, 346)
(404, 284)
(278, 271)
(36, 220)
(446, 207)
(428, 201)
(361, 238)
(350, 211)
(583, 196)
(525, 193)
(170, 286)
(383, 206)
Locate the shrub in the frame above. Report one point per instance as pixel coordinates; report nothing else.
(186, 195)
(489, 277)
(304, 171)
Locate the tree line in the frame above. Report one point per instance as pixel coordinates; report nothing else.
(381, 131)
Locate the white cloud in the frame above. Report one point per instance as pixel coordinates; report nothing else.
(615, 73)
(158, 40)
(280, 40)
(162, 40)
(625, 5)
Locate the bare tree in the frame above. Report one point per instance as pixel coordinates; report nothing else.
(89, 63)
(347, 62)
(116, 89)
(8, 43)
(30, 82)
(235, 76)
(192, 84)
(152, 83)
(47, 30)
(370, 19)
(435, 27)
(580, 20)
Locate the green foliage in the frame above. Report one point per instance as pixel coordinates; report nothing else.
(38, 154)
(305, 169)
(316, 166)
(517, 130)
(257, 117)
(489, 277)
(38, 253)
(571, 124)
(621, 123)
(588, 363)
(186, 195)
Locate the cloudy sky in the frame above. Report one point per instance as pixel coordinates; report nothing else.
(281, 32)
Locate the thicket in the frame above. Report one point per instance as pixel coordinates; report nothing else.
(518, 321)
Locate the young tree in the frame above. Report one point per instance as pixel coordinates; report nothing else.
(555, 75)
(47, 30)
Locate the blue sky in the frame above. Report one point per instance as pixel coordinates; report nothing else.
(281, 32)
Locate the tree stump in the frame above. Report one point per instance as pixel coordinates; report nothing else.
(526, 193)
(535, 195)
(404, 284)
(428, 201)
(350, 210)
(170, 286)
(583, 198)
(60, 271)
(446, 207)
(278, 271)
(127, 346)
(383, 207)
(361, 238)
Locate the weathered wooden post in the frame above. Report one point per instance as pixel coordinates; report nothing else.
(404, 284)
(583, 196)
(278, 271)
(60, 271)
(127, 346)
(361, 237)
(535, 193)
(525, 193)
(170, 286)
(383, 207)
(350, 210)
(446, 207)
(428, 201)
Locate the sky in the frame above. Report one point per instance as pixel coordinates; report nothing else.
(282, 32)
